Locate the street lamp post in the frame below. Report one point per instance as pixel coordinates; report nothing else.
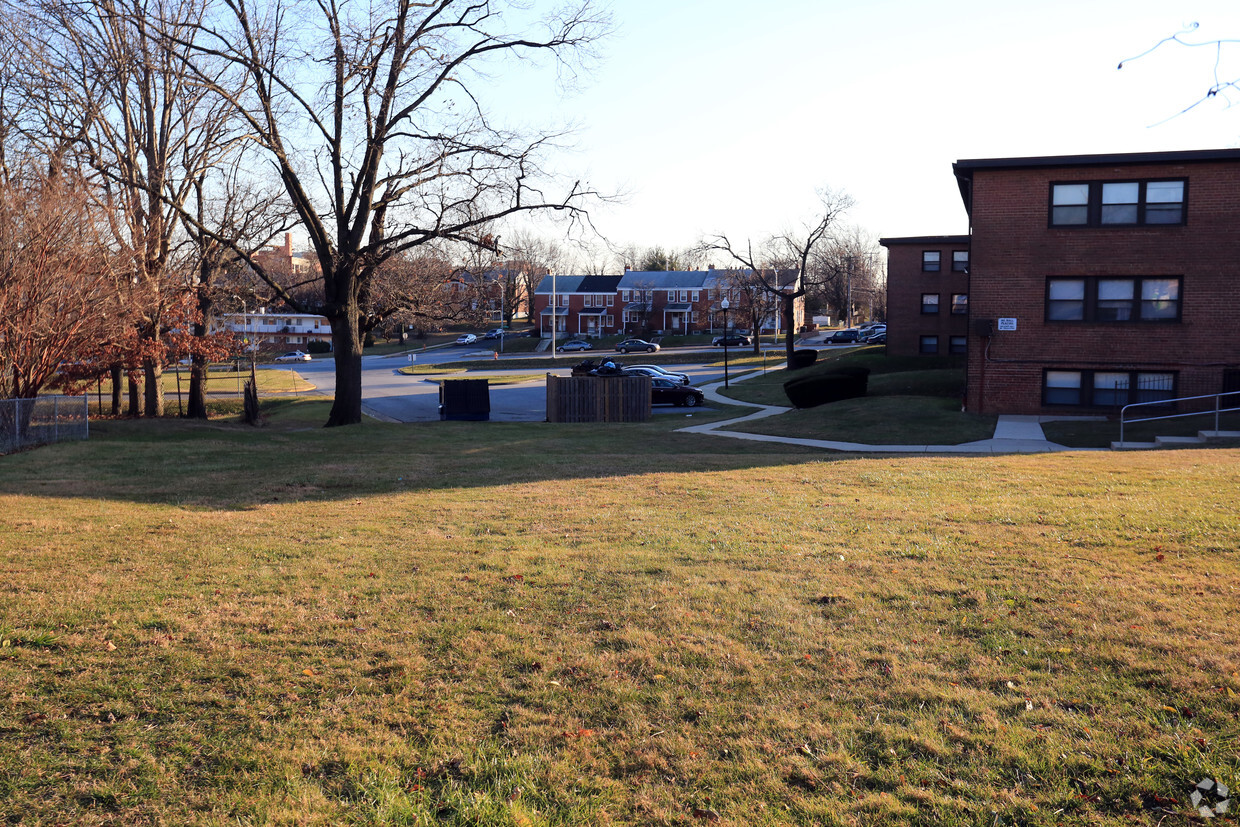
(724, 304)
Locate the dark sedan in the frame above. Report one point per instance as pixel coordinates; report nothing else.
(574, 345)
(670, 392)
(655, 372)
(732, 340)
(630, 345)
(843, 337)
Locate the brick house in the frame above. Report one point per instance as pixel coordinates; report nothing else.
(672, 301)
(583, 305)
(1100, 280)
(927, 294)
(280, 258)
(661, 302)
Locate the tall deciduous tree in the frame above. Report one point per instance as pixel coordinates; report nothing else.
(112, 81)
(372, 115)
(792, 249)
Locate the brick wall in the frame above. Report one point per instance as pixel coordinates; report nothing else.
(906, 284)
(1014, 252)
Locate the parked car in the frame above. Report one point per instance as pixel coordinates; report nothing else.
(493, 333)
(862, 328)
(630, 345)
(843, 337)
(294, 356)
(732, 340)
(574, 345)
(877, 338)
(654, 371)
(670, 392)
(868, 336)
(466, 339)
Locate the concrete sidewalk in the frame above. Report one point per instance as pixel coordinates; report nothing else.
(1013, 434)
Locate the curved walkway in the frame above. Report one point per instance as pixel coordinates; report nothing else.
(1013, 434)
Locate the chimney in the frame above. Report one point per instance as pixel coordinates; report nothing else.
(288, 244)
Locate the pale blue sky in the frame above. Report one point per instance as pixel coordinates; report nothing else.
(725, 116)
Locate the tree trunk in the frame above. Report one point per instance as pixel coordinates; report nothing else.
(134, 398)
(347, 350)
(154, 388)
(789, 339)
(196, 405)
(118, 376)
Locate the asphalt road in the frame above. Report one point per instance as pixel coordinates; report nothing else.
(389, 395)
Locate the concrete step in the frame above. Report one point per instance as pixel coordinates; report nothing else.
(1219, 434)
(1178, 440)
(1129, 445)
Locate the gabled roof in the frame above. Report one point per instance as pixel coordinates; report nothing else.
(578, 284)
(668, 279)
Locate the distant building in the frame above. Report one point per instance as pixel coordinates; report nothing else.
(927, 295)
(278, 329)
(280, 258)
(654, 302)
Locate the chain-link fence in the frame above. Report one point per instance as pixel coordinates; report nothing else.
(25, 423)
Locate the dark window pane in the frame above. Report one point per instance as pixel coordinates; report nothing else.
(1069, 215)
(1063, 387)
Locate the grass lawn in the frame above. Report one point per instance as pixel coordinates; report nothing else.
(910, 401)
(529, 624)
(219, 382)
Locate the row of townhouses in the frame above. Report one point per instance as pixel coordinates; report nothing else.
(1085, 283)
(659, 302)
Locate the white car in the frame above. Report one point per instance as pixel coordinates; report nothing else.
(653, 371)
(295, 356)
(466, 339)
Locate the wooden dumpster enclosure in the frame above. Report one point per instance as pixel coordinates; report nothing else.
(598, 398)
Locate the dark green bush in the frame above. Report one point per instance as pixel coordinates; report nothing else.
(811, 391)
(317, 346)
(802, 359)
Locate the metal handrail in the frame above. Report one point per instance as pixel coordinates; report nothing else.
(1217, 397)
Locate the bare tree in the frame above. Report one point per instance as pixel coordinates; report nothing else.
(368, 115)
(57, 288)
(750, 296)
(846, 272)
(535, 258)
(239, 208)
(1222, 85)
(112, 83)
(790, 250)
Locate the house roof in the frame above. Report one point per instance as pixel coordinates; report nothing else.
(964, 169)
(578, 284)
(677, 308)
(667, 279)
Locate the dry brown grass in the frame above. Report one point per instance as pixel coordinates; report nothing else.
(769, 638)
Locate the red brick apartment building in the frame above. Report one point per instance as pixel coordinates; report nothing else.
(1100, 280)
(927, 294)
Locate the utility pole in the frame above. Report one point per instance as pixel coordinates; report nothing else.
(848, 264)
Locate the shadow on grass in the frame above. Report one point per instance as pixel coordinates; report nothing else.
(226, 464)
